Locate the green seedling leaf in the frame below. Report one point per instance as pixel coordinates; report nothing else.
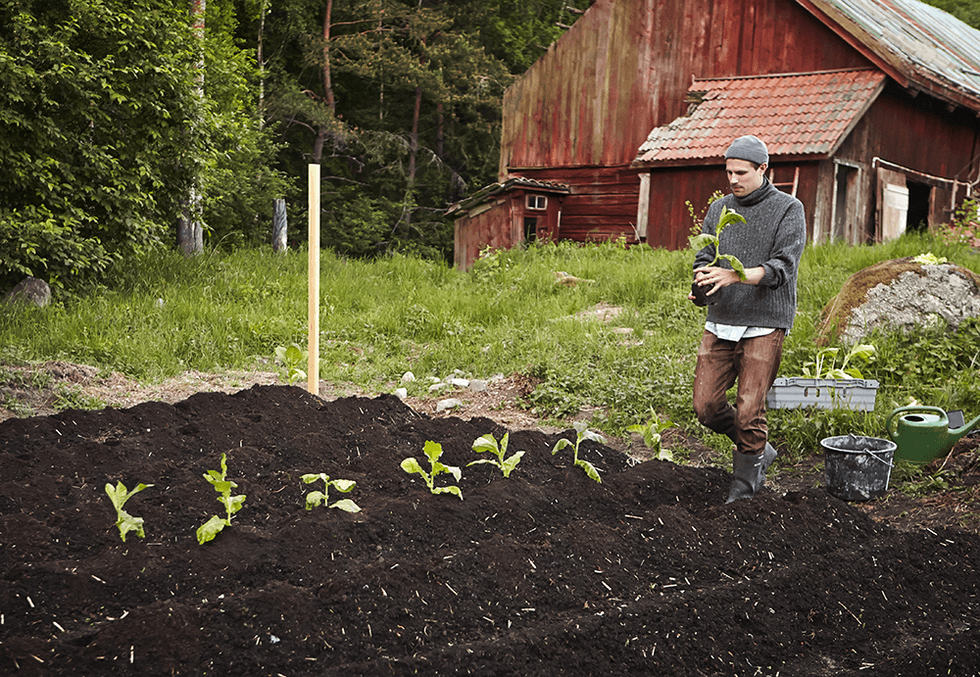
(124, 521)
(207, 531)
(699, 242)
(489, 444)
(293, 358)
(315, 498)
(219, 480)
(582, 433)
(652, 434)
(433, 451)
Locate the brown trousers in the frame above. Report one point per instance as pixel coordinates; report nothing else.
(753, 363)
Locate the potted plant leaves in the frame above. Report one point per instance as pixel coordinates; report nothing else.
(703, 240)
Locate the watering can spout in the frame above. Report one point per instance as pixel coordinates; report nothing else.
(960, 432)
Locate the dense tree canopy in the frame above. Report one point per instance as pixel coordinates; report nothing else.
(117, 117)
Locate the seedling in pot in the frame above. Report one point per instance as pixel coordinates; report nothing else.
(221, 484)
(582, 433)
(124, 521)
(315, 498)
(489, 443)
(699, 242)
(433, 450)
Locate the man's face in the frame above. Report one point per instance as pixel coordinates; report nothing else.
(743, 177)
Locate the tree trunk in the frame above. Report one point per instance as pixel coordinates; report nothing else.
(325, 128)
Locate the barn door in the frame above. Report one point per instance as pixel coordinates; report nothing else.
(893, 205)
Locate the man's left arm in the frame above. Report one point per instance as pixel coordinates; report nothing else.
(786, 252)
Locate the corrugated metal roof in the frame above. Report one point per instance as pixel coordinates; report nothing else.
(795, 114)
(918, 43)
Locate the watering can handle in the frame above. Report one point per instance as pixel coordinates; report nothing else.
(903, 410)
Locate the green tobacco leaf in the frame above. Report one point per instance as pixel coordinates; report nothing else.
(489, 443)
(433, 450)
(346, 505)
(343, 486)
(448, 490)
(736, 265)
(207, 531)
(510, 463)
(124, 521)
(589, 469)
(410, 465)
(699, 242)
(315, 498)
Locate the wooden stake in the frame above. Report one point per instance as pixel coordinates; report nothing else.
(313, 343)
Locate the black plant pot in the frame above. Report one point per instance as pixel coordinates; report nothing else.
(701, 297)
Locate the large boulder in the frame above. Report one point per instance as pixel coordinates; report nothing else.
(30, 290)
(901, 294)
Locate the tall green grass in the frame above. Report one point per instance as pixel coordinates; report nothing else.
(166, 314)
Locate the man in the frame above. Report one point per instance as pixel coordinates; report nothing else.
(747, 319)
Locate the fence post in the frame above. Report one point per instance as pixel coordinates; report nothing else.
(279, 225)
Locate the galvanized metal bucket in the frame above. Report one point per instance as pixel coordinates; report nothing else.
(857, 468)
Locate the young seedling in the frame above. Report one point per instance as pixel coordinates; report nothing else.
(293, 358)
(822, 368)
(233, 504)
(315, 498)
(433, 450)
(489, 443)
(124, 521)
(652, 433)
(699, 242)
(582, 433)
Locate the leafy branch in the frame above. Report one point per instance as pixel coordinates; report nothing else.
(824, 366)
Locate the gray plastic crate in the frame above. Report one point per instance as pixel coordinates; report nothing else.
(822, 393)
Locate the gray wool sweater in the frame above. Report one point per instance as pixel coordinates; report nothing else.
(772, 237)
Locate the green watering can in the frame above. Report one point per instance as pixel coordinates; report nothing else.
(923, 433)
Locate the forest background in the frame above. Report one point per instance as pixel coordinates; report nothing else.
(131, 125)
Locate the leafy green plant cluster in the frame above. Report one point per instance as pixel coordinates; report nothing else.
(652, 432)
(825, 363)
(699, 242)
(293, 359)
(488, 443)
(317, 497)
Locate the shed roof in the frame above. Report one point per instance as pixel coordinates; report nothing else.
(806, 114)
(920, 46)
(514, 182)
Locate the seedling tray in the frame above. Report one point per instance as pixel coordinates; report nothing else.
(822, 393)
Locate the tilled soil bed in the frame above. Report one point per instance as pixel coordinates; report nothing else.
(543, 573)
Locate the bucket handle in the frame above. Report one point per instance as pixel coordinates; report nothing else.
(880, 460)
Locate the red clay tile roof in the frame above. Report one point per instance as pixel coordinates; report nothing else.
(795, 114)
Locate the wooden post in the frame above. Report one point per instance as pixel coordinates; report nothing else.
(313, 350)
(279, 225)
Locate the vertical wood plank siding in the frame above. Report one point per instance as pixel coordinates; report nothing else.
(580, 113)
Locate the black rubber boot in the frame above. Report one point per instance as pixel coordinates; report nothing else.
(750, 472)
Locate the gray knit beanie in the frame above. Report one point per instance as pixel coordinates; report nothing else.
(749, 148)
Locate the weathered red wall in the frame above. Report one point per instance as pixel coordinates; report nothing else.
(625, 67)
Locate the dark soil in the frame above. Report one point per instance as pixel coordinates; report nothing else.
(543, 573)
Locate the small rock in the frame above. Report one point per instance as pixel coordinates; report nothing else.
(451, 403)
(401, 393)
(408, 377)
(458, 382)
(30, 290)
(478, 386)
(437, 386)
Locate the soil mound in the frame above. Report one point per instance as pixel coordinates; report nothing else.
(543, 573)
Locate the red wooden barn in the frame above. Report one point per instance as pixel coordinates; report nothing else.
(870, 109)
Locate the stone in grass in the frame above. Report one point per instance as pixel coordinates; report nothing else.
(451, 403)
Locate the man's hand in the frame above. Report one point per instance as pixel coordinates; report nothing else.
(716, 277)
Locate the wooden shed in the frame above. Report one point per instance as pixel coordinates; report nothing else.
(870, 108)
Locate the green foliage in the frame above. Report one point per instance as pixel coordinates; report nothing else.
(232, 504)
(124, 521)
(652, 432)
(489, 443)
(293, 358)
(433, 450)
(315, 498)
(582, 432)
(825, 363)
(699, 242)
